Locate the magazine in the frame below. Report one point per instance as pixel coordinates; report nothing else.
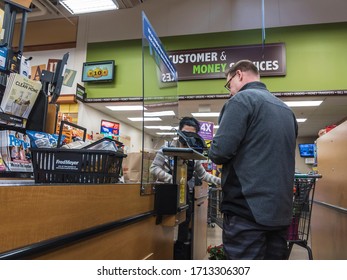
(20, 95)
(15, 151)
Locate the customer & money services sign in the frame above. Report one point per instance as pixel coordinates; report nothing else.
(212, 63)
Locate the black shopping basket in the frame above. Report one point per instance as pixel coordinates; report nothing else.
(59, 165)
(303, 192)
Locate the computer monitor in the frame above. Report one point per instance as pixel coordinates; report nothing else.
(307, 150)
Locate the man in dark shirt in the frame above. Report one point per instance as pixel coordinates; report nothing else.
(255, 142)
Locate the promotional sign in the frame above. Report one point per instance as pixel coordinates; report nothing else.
(206, 130)
(3, 58)
(80, 92)
(98, 71)
(109, 128)
(212, 63)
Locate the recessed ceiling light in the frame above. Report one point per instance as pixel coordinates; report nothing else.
(159, 114)
(88, 6)
(303, 103)
(161, 127)
(301, 120)
(166, 133)
(210, 114)
(144, 119)
(126, 108)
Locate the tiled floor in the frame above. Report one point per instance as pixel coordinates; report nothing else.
(214, 237)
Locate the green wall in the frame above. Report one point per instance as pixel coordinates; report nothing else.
(316, 60)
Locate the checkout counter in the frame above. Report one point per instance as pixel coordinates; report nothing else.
(95, 221)
(91, 220)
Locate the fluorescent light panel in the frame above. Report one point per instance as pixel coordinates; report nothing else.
(145, 119)
(161, 127)
(301, 120)
(126, 108)
(88, 6)
(210, 114)
(166, 133)
(159, 114)
(303, 103)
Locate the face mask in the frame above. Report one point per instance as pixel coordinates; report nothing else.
(192, 140)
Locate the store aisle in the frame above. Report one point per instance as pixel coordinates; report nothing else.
(214, 237)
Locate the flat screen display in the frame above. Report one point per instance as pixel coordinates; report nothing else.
(306, 150)
(98, 71)
(109, 128)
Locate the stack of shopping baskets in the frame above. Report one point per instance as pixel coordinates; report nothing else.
(303, 193)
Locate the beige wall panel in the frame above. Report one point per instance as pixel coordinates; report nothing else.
(329, 223)
(328, 233)
(48, 32)
(332, 162)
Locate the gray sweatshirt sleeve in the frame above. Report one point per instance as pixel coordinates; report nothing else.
(232, 128)
(159, 168)
(205, 176)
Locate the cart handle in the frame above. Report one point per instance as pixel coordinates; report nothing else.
(303, 176)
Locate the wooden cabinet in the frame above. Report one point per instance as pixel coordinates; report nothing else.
(329, 213)
(200, 222)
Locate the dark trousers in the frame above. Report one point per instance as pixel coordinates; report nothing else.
(246, 240)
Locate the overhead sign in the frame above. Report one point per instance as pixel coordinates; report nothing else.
(212, 63)
(156, 45)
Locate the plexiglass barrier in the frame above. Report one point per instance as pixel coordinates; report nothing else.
(160, 98)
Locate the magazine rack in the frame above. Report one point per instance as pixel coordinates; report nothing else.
(11, 122)
(11, 10)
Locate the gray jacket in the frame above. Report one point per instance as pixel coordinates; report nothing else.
(255, 142)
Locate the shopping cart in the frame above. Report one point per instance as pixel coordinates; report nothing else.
(214, 215)
(303, 192)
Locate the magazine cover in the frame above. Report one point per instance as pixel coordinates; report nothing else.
(15, 151)
(20, 95)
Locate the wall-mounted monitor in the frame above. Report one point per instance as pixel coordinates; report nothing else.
(109, 128)
(98, 71)
(307, 150)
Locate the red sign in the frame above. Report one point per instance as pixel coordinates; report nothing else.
(109, 128)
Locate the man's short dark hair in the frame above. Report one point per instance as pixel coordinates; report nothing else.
(244, 66)
(189, 121)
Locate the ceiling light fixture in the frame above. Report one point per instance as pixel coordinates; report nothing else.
(161, 127)
(210, 114)
(76, 7)
(301, 120)
(166, 133)
(159, 114)
(303, 103)
(126, 108)
(144, 119)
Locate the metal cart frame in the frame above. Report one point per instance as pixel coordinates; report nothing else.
(303, 193)
(214, 215)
